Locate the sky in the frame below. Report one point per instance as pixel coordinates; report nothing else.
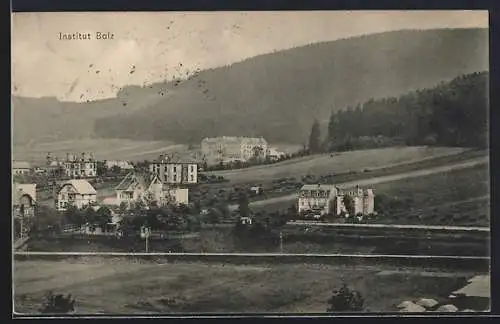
(153, 46)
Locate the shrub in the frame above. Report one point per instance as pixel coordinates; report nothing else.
(345, 300)
(57, 304)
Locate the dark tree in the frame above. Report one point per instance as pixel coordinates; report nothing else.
(102, 170)
(103, 216)
(315, 138)
(348, 202)
(345, 300)
(57, 304)
(452, 114)
(243, 203)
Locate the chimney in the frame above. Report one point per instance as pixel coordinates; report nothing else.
(82, 155)
(67, 156)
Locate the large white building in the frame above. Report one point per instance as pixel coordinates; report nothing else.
(174, 170)
(234, 148)
(83, 166)
(324, 199)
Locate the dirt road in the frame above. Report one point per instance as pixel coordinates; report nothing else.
(377, 180)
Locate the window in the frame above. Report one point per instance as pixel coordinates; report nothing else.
(192, 177)
(175, 177)
(175, 168)
(192, 168)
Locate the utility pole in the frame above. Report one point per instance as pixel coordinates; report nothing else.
(145, 233)
(281, 242)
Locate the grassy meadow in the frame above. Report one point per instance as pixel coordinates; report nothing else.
(120, 286)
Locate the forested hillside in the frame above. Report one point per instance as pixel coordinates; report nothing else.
(452, 114)
(276, 95)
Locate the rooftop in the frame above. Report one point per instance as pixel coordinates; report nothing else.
(21, 165)
(130, 179)
(82, 186)
(241, 139)
(176, 159)
(317, 187)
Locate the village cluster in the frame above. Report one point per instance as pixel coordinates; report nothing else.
(168, 180)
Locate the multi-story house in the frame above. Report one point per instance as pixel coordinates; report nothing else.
(322, 199)
(131, 189)
(21, 167)
(363, 201)
(174, 170)
(317, 198)
(232, 148)
(80, 167)
(76, 192)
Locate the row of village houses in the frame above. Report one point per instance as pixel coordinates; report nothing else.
(82, 166)
(168, 180)
(318, 199)
(220, 149)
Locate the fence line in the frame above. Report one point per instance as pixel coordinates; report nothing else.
(313, 255)
(393, 226)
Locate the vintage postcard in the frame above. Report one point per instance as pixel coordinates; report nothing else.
(288, 162)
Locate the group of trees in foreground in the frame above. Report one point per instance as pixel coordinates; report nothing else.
(344, 299)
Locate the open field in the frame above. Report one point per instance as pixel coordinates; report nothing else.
(460, 197)
(121, 287)
(337, 163)
(103, 149)
(388, 176)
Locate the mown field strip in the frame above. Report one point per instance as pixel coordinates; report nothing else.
(282, 255)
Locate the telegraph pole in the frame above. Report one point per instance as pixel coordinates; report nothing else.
(281, 242)
(145, 233)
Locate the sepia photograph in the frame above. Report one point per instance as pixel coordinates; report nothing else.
(261, 162)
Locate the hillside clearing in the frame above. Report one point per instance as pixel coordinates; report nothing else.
(339, 163)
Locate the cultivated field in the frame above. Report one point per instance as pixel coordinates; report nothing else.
(354, 161)
(460, 197)
(103, 149)
(121, 286)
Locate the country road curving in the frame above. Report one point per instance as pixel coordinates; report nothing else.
(377, 180)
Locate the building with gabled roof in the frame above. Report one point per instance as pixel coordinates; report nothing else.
(131, 188)
(76, 192)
